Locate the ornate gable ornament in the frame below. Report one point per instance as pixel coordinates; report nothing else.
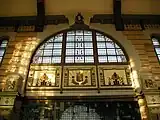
(79, 22)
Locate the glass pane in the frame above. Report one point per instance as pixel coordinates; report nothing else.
(0, 59)
(108, 39)
(71, 33)
(79, 32)
(69, 51)
(56, 52)
(3, 45)
(111, 52)
(39, 53)
(79, 45)
(4, 41)
(88, 51)
(50, 40)
(79, 39)
(57, 45)
(155, 41)
(110, 45)
(69, 45)
(159, 57)
(87, 38)
(56, 59)
(49, 46)
(70, 38)
(87, 33)
(46, 59)
(157, 50)
(89, 59)
(101, 45)
(100, 38)
(58, 38)
(69, 59)
(112, 58)
(79, 59)
(2, 52)
(98, 34)
(39, 60)
(101, 51)
(47, 53)
(121, 59)
(119, 52)
(102, 58)
(42, 47)
(88, 45)
(79, 52)
(116, 46)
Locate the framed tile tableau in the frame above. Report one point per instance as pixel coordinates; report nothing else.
(79, 78)
(44, 78)
(114, 77)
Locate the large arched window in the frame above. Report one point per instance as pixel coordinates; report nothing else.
(80, 46)
(3, 45)
(50, 51)
(156, 45)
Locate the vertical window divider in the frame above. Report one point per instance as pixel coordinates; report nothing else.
(115, 51)
(63, 54)
(83, 47)
(94, 40)
(74, 45)
(52, 50)
(106, 48)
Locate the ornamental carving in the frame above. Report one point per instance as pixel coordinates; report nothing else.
(7, 101)
(149, 83)
(12, 80)
(79, 19)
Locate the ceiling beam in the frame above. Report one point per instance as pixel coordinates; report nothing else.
(117, 15)
(40, 15)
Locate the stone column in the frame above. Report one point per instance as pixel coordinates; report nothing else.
(143, 105)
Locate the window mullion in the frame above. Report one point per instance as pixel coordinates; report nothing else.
(95, 47)
(63, 54)
(83, 47)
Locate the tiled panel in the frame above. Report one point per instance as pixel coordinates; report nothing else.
(44, 76)
(80, 77)
(114, 77)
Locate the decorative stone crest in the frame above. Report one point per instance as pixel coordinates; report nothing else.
(79, 22)
(12, 80)
(79, 19)
(149, 83)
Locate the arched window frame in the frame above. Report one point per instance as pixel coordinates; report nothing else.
(3, 46)
(156, 45)
(64, 32)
